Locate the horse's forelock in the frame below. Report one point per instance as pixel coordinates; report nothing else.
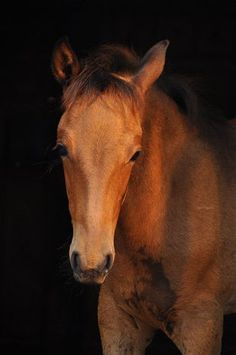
(97, 77)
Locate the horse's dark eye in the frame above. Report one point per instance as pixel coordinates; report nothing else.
(58, 151)
(136, 155)
(61, 149)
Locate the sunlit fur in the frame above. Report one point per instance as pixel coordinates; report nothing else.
(174, 235)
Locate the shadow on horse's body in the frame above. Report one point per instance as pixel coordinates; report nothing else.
(144, 163)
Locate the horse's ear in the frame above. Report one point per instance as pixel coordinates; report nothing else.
(152, 66)
(64, 61)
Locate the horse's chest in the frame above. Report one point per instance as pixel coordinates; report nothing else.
(151, 295)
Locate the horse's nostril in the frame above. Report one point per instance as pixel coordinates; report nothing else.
(108, 262)
(75, 263)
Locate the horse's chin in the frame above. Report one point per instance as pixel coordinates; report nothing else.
(89, 280)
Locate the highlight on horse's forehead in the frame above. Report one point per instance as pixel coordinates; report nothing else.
(102, 126)
(103, 111)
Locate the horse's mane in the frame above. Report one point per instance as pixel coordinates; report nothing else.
(97, 76)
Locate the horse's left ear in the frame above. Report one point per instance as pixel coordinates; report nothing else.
(152, 66)
(64, 61)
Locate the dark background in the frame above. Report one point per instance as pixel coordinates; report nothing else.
(42, 309)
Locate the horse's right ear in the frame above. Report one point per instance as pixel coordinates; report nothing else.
(64, 61)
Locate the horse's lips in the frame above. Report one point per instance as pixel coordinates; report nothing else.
(90, 280)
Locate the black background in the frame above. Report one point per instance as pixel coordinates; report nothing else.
(42, 309)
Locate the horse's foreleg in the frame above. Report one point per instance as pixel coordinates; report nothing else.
(198, 329)
(121, 334)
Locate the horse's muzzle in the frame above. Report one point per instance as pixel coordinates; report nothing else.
(90, 276)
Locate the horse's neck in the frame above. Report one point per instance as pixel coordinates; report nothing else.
(166, 137)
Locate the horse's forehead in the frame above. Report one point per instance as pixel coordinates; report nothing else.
(109, 119)
(105, 110)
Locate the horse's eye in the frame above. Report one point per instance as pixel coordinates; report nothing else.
(61, 150)
(136, 155)
(58, 151)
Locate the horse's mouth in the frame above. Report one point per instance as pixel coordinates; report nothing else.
(90, 277)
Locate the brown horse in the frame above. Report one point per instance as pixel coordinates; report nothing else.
(150, 178)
